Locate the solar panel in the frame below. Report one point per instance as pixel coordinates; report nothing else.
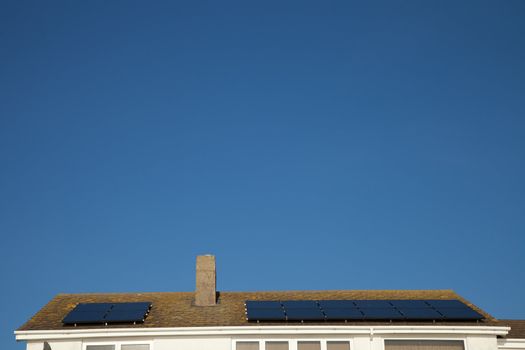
(262, 304)
(130, 306)
(300, 304)
(128, 312)
(86, 313)
(460, 314)
(84, 317)
(342, 314)
(265, 315)
(91, 307)
(125, 316)
(381, 314)
(409, 304)
(420, 314)
(310, 314)
(336, 304)
(382, 304)
(447, 304)
(333, 310)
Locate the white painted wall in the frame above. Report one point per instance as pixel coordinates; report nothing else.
(56, 345)
(374, 340)
(475, 342)
(201, 343)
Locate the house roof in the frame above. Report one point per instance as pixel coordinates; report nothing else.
(517, 328)
(177, 309)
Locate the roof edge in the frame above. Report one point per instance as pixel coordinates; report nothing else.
(243, 330)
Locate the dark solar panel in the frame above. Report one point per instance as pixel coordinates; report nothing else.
(304, 314)
(337, 304)
(421, 314)
(447, 304)
(265, 315)
(332, 310)
(300, 304)
(381, 304)
(107, 312)
(91, 307)
(381, 314)
(128, 312)
(262, 304)
(88, 313)
(409, 304)
(84, 317)
(130, 306)
(460, 314)
(342, 314)
(125, 316)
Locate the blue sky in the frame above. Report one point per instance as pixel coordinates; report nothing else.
(308, 145)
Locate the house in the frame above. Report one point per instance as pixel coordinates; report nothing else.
(286, 320)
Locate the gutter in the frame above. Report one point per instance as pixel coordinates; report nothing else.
(257, 330)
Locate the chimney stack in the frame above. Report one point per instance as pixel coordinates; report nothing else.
(205, 290)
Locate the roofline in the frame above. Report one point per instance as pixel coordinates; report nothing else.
(270, 291)
(256, 330)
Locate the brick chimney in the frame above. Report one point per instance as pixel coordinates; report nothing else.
(205, 289)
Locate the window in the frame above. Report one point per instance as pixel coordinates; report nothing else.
(134, 347)
(337, 345)
(119, 346)
(276, 345)
(302, 344)
(424, 345)
(308, 345)
(248, 345)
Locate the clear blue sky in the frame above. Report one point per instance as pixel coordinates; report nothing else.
(308, 145)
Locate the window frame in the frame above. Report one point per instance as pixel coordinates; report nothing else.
(464, 340)
(292, 342)
(118, 344)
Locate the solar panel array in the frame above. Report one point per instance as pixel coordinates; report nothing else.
(360, 310)
(93, 313)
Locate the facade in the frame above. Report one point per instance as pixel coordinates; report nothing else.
(207, 319)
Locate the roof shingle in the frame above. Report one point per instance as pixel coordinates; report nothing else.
(517, 328)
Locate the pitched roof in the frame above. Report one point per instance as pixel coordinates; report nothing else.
(517, 328)
(178, 310)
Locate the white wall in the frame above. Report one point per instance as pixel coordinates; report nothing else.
(56, 345)
(192, 343)
(359, 342)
